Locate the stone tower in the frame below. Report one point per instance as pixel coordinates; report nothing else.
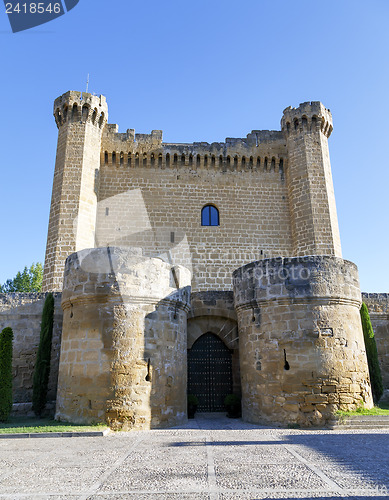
(313, 215)
(80, 119)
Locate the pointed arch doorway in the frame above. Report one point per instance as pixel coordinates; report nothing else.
(210, 372)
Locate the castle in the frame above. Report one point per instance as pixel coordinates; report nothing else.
(198, 268)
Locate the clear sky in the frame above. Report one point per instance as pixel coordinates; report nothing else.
(202, 71)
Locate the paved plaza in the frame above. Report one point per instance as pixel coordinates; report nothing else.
(212, 458)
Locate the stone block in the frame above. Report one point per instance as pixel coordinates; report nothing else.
(316, 398)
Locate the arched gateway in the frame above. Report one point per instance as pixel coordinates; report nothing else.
(210, 372)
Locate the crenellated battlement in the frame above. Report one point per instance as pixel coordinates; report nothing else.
(261, 149)
(377, 303)
(81, 107)
(308, 117)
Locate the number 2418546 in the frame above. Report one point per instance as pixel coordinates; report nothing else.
(32, 8)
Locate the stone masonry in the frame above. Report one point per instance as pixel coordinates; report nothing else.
(300, 335)
(23, 313)
(124, 340)
(132, 216)
(378, 305)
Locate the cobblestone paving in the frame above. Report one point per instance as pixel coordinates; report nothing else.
(212, 458)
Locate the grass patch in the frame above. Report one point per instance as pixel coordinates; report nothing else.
(18, 425)
(381, 409)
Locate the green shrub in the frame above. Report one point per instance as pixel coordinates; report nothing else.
(6, 337)
(372, 355)
(193, 400)
(42, 365)
(231, 400)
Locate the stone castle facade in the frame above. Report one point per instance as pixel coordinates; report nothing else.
(200, 268)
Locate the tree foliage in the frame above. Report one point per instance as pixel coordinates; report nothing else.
(372, 355)
(6, 337)
(29, 280)
(42, 365)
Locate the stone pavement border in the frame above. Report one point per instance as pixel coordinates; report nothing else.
(25, 435)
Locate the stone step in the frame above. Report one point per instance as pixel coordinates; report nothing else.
(361, 422)
(366, 427)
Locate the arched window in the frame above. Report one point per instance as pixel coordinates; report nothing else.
(209, 216)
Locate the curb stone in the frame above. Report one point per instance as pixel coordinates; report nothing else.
(26, 435)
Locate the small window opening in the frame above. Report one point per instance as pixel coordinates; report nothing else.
(209, 216)
(85, 112)
(74, 111)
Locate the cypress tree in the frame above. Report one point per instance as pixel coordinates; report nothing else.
(6, 337)
(42, 365)
(372, 355)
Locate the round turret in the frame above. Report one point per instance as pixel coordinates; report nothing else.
(302, 354)
(308, 177)
(80, 118)
(80, 107)
(309, 116)
(124, 340)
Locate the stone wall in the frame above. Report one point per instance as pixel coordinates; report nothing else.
(378, 305)
(124, 340)
(23, 313)
(302, 354)
(157, 205)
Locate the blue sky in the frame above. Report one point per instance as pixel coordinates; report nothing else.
(202, 71)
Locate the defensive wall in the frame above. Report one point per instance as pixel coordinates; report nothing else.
(214, 312)
(23, 313)
(378, 305)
